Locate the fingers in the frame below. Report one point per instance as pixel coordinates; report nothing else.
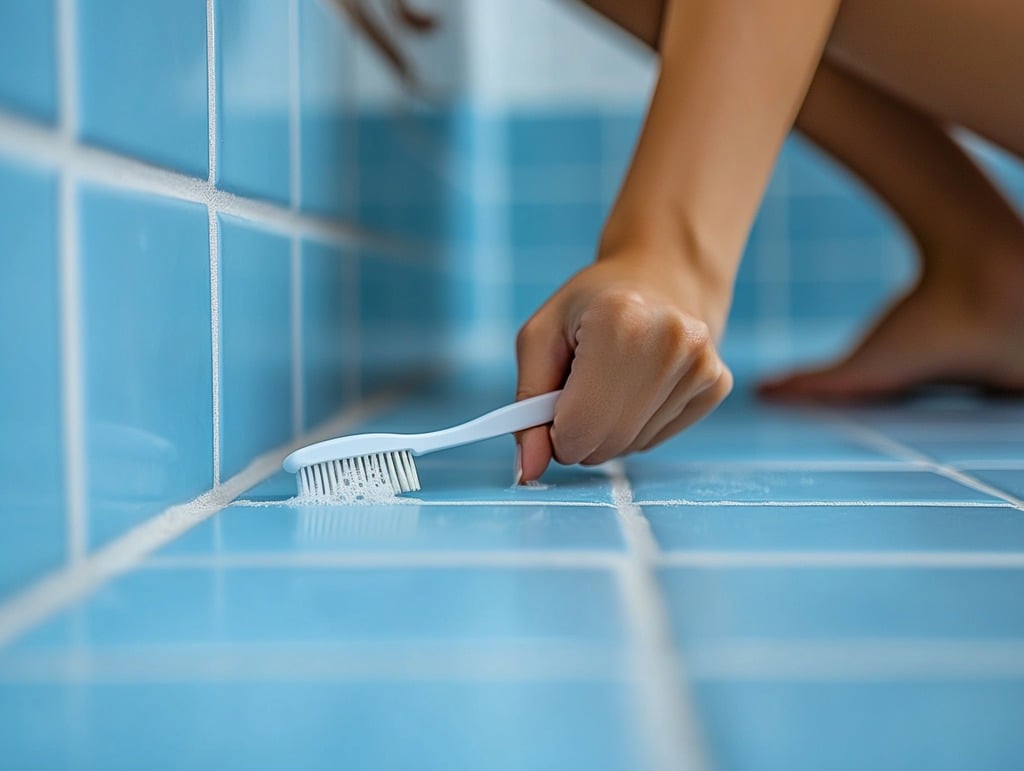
(699, 408)
(709, 383)
(634, 363)
(543, 355)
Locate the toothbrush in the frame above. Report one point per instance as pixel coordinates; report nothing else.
(347, 466)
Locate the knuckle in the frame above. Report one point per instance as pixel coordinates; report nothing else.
(528, 334)
(624, 310)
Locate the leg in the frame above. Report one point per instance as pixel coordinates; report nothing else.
(958, 323)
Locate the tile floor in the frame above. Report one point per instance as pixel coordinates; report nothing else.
(777, 589)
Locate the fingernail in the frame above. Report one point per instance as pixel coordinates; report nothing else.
(517, 466)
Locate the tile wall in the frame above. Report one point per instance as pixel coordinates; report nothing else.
(183, 252)
(211, 244)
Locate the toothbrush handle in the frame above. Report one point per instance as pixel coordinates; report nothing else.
(535, 411)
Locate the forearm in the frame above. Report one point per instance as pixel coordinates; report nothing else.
(733, 75)
(905, 156)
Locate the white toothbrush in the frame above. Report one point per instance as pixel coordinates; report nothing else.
(349, 465)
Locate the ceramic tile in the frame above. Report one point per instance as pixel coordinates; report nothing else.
(31, 513)
(143, 77)
(147, 360)
(330, 336)
(553, 139)
(327, 143)
(707, 605)
(971, 452)
(1005, 480)
(401, 318)
(492, 482)
(419, 726)
(899, 725)
(290, 605)
(401, 527)
(837, 528)
(256, 343)
(253, 96)
(28, 59)
(652, 482)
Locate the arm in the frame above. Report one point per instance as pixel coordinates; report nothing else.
(632, 337)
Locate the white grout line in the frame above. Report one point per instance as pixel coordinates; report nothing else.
(67, 58)
(858, 660)
(59, 589)
(994, 504)
(294, 106)
(874, 438)
(667, 712)
(211, 89)
(406, 500)
(72, 368)
(215, 334)
(295, 196)
(843, 559)
(384, 560)
(297, 377)
(444, 660)
(828, 660)
(25, 139)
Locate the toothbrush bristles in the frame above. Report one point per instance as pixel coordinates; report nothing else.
(365, 477)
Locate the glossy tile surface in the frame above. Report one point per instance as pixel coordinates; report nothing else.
(330, 333)
(709, 604)
(254, 92)
(413, 726)
(147, 359)
(664, 482)
(326, 123)
(256, 342)
(292, 528)
(837, 528)
(32, 516)
(28, 59)
(142, 80)
(835, 599)
(901, 725)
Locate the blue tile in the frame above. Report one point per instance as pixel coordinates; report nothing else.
(972, 452)
(28, 59)
(31, 511)
(330, 333)
(419, 726)
(794, 726)
(253, 96)
(256, 343)
(575, 224)
(401, 527)
(490, 481)
(747, 435)
(328, 133)
(148, 365)
(1006, 480)
(838, 528)
(837, 217)
(401, 317)
(267, 606)
(722, 483)
(554, 139)
(709, 605)
(824, 300)
(143, 80)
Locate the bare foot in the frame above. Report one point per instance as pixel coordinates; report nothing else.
(962, 324)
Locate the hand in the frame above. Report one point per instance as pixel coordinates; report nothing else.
(636, 366)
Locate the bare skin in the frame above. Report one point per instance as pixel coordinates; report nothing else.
(874, 83)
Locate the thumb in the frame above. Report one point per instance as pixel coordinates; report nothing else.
(543, 356)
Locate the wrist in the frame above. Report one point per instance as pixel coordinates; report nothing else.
(691, 269)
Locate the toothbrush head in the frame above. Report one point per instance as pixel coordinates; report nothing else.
(374, 477)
